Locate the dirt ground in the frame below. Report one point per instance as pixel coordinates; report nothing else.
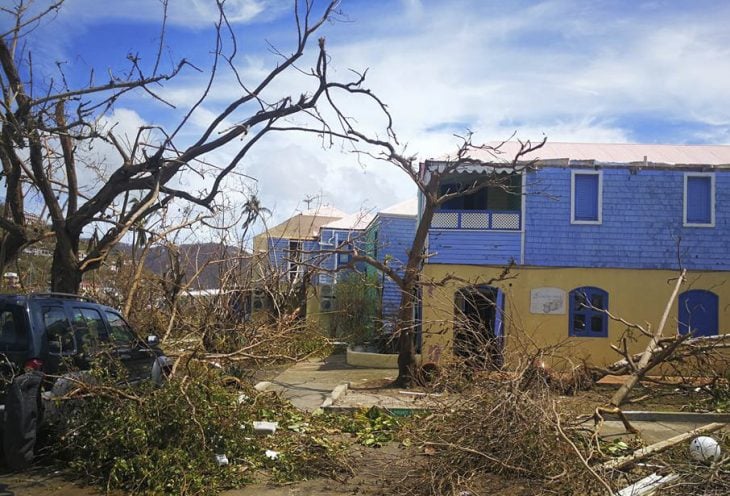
(376, 471)
(373, 470)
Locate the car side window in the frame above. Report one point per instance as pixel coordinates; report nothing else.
(60, 335)
(119, 330)
(89, 325)
(13, 335)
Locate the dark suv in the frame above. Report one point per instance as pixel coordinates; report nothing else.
(47, 338)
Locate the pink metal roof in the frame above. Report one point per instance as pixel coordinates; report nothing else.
(358, 220)
(616, 153)
(407, 208)
(325, 211)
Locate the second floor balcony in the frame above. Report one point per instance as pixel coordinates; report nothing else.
(492, 220)
(495, 207)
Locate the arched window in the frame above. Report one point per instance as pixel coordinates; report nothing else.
(587, 315)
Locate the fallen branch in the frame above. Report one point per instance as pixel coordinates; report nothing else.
(648, 359)
(642, 453)
(687, 347)
(577, 452)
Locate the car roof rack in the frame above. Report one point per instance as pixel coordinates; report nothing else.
(68, 296)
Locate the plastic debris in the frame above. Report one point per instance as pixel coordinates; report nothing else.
(221, 460)
(264, 427)
(271, 454)
(242, 398)
(704, 449)
(647, 485)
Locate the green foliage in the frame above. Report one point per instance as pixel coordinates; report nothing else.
(282, 341)
(356, 305)
(373, 427)
(718, 399)
(150, 440)
(617, 447)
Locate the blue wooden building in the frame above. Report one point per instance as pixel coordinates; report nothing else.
(589, 228)
(285, 255)
(304, 245)
(390, 236)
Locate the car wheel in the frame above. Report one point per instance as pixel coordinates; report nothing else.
(22, 420)
(58, 406)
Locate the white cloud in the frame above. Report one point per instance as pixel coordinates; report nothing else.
(191, 13)
(574, 71)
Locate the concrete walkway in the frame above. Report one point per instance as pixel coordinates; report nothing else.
(307, 384)
(651, 432)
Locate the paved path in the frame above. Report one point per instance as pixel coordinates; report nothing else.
(308, 383)
(651, 432)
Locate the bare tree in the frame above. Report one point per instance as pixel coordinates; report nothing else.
(430, 181)
(46, 126)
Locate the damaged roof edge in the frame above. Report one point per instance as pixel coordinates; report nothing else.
(568, 163)
(558, 154)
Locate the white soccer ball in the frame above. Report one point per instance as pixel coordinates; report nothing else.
(704, 449)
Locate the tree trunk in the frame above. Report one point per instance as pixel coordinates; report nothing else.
(136, 277)
(406, 345)
(10, 248)
(65, 272)
(405, 325)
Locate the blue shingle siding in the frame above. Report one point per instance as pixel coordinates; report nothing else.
(395, 237)
(473, 247)
(279, 253)
(278, 248)
(326, 242)
(642, 223)
(330, 239)
(310, 249)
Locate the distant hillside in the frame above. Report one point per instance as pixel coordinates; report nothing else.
(193, 257)
(34, 264)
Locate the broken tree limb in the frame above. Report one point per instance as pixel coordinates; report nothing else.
(600, 412)
(687, 347)
(640, 454)
(647, 361)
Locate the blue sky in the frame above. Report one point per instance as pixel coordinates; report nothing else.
(603, 71)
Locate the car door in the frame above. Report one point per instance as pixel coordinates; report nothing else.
(14, 342)
(136, 355)
(59, 335)
(89, 332)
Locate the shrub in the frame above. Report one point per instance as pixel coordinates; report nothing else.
(356, 307)
(150, 440)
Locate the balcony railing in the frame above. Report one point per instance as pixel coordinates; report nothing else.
(488, 220)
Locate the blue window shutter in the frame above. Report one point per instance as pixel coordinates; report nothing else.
(587, 318)
(698, 312)
(586, 197)
(699, 200)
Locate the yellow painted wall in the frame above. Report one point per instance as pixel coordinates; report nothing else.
(315, 314)
(638, 296)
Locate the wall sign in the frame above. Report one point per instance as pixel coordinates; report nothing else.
(549, 301)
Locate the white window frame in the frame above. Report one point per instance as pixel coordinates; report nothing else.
(711, 175)
(573, 173)
(295, 269)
